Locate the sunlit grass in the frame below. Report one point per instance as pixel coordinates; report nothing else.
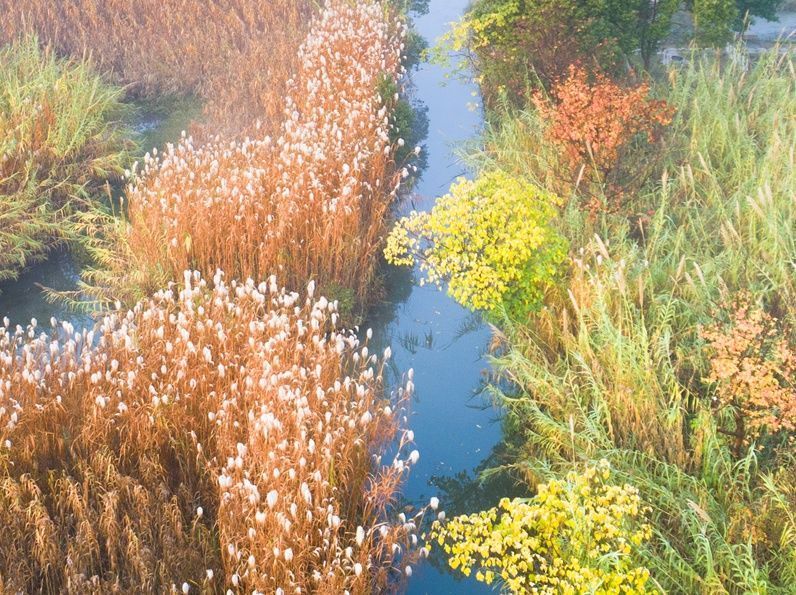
(615, 365)
(236, 55)
(61, 139)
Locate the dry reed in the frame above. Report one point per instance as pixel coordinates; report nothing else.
(237, 55)
(217, 436)
(223, 436)
(309, 204)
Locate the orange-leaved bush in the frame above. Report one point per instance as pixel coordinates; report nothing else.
(217, 436)
(753, 368)
(592, 120)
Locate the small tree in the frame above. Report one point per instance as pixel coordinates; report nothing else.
(713, 20)
(513, 38)
(766, 9)
(654, 25)
(716, 20)
(753, 368)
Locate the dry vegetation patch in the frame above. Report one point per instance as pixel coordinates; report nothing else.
(237, 55)
(221, 435)
(310, 203)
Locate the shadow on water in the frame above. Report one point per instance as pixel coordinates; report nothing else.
(465, 492)
(24, 299)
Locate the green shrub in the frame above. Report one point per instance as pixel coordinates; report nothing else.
(61, 139)
(492, 240)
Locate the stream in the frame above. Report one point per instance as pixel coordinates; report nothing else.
(455, 428)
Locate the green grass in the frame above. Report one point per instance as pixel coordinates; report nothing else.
(612, 366)
(62, 136)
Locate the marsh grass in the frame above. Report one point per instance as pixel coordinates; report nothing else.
(216, 436)
(310, 203)
(237, 55)
(615, 366)
(62, 137)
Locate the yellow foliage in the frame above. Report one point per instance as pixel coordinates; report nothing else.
(492, 240)
(576, 535)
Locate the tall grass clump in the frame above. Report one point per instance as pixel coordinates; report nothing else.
(61, 138)
(236, 55)
(217, 436)
(641, 357)
(308, 204)
(617, 367)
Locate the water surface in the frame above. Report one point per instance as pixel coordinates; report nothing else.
(455, 429)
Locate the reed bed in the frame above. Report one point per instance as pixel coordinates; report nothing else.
(308, 204)
(237, 55)
(221, 436)
(61, 137)
(217, 436)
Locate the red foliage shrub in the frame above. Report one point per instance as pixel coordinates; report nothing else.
(753, 366)
(592, 120)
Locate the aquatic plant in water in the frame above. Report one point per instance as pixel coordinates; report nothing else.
(218, 435)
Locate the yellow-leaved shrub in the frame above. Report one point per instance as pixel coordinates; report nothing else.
(492, 239)
(577, 535)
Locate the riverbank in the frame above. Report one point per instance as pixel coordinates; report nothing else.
(649, 394)
(152, 126)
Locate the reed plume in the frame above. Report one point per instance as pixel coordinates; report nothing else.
(310, 203)
(221, 435)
